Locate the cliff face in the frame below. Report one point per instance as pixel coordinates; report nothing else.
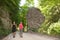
(4, 18)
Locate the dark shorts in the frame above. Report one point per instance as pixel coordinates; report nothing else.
(13, 30)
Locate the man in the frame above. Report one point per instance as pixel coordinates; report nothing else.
(21, 29)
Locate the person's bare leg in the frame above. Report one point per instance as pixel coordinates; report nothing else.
(14, 35)
(21, 33)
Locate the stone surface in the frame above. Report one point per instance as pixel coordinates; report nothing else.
(35, 17)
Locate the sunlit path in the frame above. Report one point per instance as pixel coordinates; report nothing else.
(29, 36)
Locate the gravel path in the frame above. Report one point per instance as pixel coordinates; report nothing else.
(29, 36)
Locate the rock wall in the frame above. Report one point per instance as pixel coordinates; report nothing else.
(34, 17)
(4, 17)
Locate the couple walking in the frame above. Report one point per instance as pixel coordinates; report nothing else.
(14, 29)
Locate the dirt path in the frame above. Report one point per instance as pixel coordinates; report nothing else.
(29, 36)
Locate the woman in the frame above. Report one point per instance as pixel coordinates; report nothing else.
(14, 29)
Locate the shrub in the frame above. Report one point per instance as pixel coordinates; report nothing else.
(4, 32)
(54, 28)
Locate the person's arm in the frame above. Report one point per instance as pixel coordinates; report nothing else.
(22, 25)
(16, 25)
